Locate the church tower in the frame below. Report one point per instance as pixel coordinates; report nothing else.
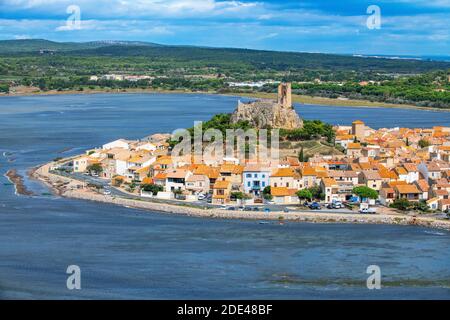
(285, 95)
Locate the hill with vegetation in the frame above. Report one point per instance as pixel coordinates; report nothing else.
(49, 65)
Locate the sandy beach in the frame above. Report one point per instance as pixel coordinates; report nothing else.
(70, 188)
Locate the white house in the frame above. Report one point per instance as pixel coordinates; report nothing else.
(121, 143)
(146, 146)
(256, 179)
(176, 179)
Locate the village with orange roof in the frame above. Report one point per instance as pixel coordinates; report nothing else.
(399, 164)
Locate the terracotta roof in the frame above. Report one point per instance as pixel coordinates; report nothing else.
(342, 173)
(177, 174)
(345, 137)
(372, 175)
(354, 145)
(279, 191)
(309, 171)
(282, 191)
(388, 190)
(196, 177)
(231, 168)
(441, 192)
(401, 171)
(254, 168)
(143, 170)
(222, 184)
(423, 185)
(284, 172)
(407, 188)
(164, 160)
(410, 167)
(160, 176)
(147, 180)
(329, 182)
(397, 183)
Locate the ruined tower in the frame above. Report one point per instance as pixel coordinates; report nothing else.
(267, 113)
(285, 95)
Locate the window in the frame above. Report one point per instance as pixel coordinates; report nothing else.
(263, 176)
(255, 175)
(248, 175)
(248, 184)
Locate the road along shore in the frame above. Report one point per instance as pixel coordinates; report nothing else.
(71, 188)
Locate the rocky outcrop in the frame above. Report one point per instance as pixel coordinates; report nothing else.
(269, 113)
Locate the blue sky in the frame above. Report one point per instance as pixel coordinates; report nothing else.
(408, 27)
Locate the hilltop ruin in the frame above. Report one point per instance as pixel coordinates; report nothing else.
(266, 113)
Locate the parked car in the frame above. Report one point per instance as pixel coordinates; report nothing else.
(267, 210)
(255, 209)
(201, 197)
(315, 206)
(231, 208)
(368, 211)
(335, 205)
(107, 192)
(247, 209)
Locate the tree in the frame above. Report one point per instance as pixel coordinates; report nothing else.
(301, 156)
(153, 188)
(424, 143)
(304, 194)
(365, 192)
(4, 87)
(95, 168)
(420, 206)
(240, 195)
(316, 192)
(401, 204)
(267, 193)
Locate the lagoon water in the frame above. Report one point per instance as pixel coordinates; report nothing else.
(132, 254)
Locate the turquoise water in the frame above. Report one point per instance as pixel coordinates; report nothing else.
(127, 253)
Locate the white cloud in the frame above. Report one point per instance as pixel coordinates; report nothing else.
(22, 37)
(114, 9)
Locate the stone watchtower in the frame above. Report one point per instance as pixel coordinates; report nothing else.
(285, 95)
(269, 113)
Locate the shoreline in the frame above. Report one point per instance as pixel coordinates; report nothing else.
(18, 182)
(301, 99)
(69, 188)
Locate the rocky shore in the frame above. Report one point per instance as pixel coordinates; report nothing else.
(18, 182)
(75, 189)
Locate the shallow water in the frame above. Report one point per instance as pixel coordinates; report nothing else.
(128, 253)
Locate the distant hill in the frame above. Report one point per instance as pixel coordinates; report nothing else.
(29, 46)
(281, 61)
(276, 60)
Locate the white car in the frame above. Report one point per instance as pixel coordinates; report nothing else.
(201, 196)
(368, 211)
